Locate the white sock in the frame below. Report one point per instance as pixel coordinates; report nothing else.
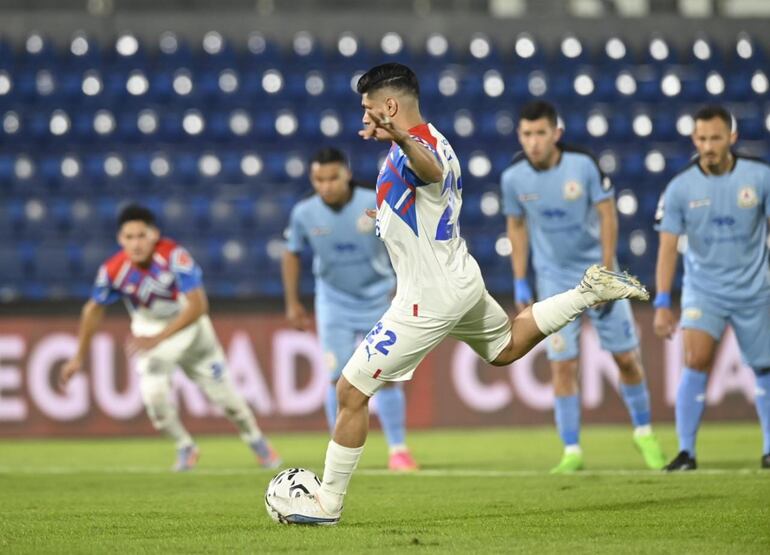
(553, 313)
(641, 431)
(395, 449)
(338, 469)
(572, 450)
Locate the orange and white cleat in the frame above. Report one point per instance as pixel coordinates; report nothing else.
(186, 458)
(267, 457)
(402, 461)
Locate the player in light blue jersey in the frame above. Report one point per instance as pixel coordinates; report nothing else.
(721, 204)
(354, 284)
(556, 198)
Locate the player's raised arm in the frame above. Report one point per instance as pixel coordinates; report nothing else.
(608, 231)
(90, 317)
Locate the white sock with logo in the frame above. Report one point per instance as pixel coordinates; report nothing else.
(340, 464)
(553, 313)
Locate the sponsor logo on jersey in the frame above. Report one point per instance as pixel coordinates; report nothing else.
(747, 197)
(572, 190)
(700, 203)
(723, 221)
(529, 197)
(553, 213)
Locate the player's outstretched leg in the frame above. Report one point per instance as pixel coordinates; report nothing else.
(633, 390)
(221, 392)
(762, 402)
(155, 390)
(391, 409)
(548, 316)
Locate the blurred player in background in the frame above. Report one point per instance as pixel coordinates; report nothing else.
(558, 196)
(440, 289)
(162, 288)
(354, 284)
(721, 204)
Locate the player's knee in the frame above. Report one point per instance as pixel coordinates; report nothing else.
(350, 397)
(629, 363)
(697, 361)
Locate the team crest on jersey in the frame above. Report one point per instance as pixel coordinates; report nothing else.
(572, 190)
(747, 197)
(365, 224)
(180, 260)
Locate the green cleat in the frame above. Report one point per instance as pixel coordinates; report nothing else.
(650, 449)
(570, 462)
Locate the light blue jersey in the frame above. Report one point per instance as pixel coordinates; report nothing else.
(724, 218)
(558, 204)
(563, 225)
(354, 279)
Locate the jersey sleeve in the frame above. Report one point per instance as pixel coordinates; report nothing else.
(407, 172)
(511, 204)
(102, 291)
(669, 216)
(188, 274)
(295, 233)
(599, 184)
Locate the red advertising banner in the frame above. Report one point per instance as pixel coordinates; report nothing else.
(282, 374)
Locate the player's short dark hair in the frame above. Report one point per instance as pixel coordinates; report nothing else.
(391, 75)
(712, 111)
(136, 213)
(538, 109)
(329, 155)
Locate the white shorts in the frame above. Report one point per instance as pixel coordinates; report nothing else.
(196, 349)
(399, 342)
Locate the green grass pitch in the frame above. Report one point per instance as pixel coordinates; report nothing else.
(482, 491)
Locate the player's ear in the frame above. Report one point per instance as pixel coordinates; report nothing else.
(733, 137)
(154, 233)
(558, 134)
(391, 106)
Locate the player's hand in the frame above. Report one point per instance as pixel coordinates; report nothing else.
(70, 368)
(522, 294)
(139, 344)
(298, 317)
(664, 323)
(381, 128)
(371, 212)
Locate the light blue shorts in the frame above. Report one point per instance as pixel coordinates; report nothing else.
(340, 333)
(751, 325)
(616, 327)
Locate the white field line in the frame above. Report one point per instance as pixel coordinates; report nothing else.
(427, 473)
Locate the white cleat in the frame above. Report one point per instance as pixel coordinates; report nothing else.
(303, 509)
(611, 286)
